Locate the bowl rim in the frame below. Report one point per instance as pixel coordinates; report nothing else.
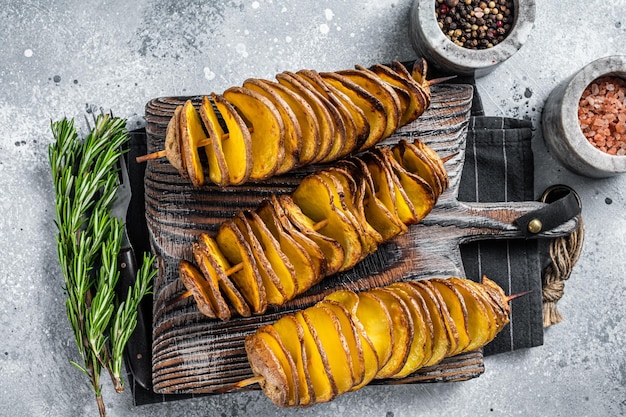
(614, 65)
(436, 39)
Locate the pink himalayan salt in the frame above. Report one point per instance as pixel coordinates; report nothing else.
(602, 114)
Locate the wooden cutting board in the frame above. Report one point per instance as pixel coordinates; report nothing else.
(195, 355)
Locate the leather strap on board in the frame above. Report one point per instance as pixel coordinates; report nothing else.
(562, 204)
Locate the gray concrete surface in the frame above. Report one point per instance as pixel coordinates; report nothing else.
(60, 58)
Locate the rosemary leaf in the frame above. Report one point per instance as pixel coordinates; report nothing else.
(89, 239)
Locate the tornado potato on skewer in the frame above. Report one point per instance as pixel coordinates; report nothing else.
(265, 128)
(334, 219)
(349, 339)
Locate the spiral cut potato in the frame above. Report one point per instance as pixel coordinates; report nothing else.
(334, 219)
(264, 128)
(348, 339)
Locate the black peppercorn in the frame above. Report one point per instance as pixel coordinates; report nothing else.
(475, 24)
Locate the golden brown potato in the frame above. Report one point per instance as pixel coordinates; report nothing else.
(173, 145)
(267, 130)
(238, 147)
(247, 278)
(229, 291)
(211, 272)
(293, 132)
(276, 291)
(192, 133)
(402, 331)
(421, 343)
(370, 105)
(331, 342)
(196, 283)
(270, 359)
(307, 120)
(346, 340)
(382, 91)
(324, 118)
(323, 383)
(292, 335)
(333, 251)
(319, 203)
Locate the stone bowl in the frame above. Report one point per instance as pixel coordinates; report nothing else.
(561, 129)
(429, 41)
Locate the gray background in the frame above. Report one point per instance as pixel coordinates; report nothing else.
(64, 57)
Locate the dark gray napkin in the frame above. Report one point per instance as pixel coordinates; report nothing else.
(499, 168)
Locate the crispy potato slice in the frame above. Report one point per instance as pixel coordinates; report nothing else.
(306, 269)
(384, 220)
(417, 103)
(403, 329)
(327, 333)
(437, 163)
(324, 386)
(448, 321)
(173, 146)
(377, 324)
(441, 340)
(353, 199)
(500, 301)
(281, 264)
(209, 246)
(211, 272)
(307, 120)
(218, 169)
(293, 133)
(324, 118)
(238, 147)
(192, 133)
(275, 292)
(419, 71)
(334, 253)
(382, 91)
(318, 202)
(404, 98)
(318, 259)
(268, 360)
(339, 123)
(458, 311)
(292, 337)
(404, 205)
(355, 348)
(195, 282)
(421, 344)
(481, 322)
(275, 343)
(353, 133)
(372, 107)
(385, 182)
(414, 188)
(247, 279)
(415, 161)
(268, 130)
(350, 301)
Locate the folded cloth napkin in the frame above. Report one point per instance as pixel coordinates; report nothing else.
(499, 168)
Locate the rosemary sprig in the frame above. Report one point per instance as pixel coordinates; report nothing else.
(88, 244)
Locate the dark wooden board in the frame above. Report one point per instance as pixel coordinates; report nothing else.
(194, 354)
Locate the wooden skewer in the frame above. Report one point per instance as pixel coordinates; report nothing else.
(160, 154)
(518, 295)
(241, 384)
(235, 268)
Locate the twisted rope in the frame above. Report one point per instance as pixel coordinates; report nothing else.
(564, 253)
